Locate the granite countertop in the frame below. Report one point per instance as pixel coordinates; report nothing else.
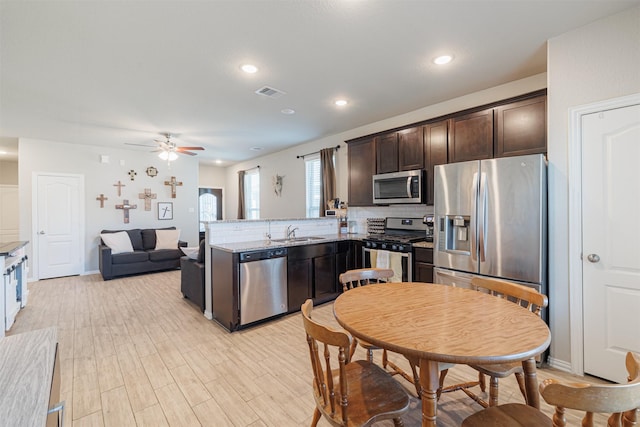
(269, 244)
(8, 248)
(428, 245)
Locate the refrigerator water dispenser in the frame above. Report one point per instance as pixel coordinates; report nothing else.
(454, 234)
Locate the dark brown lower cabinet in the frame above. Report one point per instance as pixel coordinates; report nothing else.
(423, 265)
(311, 274)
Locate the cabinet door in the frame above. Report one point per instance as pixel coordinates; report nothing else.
(324, 277)
(435, 137)
(410, 149)
(299, 276)
(387, 153)
(362, 167)
(521, 127)
(423, 272)
(471, 137)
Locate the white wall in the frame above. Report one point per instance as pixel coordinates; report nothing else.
(292, 202)
(593, 63)
(57, 157)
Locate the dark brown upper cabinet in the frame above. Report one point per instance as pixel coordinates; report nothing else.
(387, 153)
(471, 136)
(410, 149)
(521, 127)
(435, 152)
(362, 166)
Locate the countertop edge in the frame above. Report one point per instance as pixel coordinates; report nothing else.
(265, 244)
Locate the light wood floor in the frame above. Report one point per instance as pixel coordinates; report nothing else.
(134, 352)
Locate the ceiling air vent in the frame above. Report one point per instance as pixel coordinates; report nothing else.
(270, 92)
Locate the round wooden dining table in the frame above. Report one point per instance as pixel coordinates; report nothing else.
(438, 323)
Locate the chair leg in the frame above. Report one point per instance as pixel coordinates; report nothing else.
(370, 355)
(384, 358)
(316, 417)
(493, 391)
(416, 379)
(482, 382)
(397, 422)
(523, 390)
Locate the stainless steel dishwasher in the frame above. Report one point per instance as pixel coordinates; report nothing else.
(263, 284)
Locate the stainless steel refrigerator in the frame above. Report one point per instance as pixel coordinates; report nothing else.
(491, 220)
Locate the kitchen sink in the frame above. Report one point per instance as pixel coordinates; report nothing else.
(298, 239)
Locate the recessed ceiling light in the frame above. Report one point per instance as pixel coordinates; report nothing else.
(288, 111)
(256, 148)
(3, 152)
(341, 102)
(218, 161)
(249, 68)
(443, 59)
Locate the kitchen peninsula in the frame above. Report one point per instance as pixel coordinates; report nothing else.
(257, 269)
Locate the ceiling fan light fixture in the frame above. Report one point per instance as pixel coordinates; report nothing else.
(168, 155)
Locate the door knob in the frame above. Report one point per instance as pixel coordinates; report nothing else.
(593, 258)
(41, 232)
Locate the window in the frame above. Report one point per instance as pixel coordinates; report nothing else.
(312, 174)
(252, 194)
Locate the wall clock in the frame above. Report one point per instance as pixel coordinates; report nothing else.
(152, 171)
(165, 210)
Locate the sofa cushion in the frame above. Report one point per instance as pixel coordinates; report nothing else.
(167, 239)
(118, 242)
(164, 254)
(149, 237)
(135, 235)
(131, 257)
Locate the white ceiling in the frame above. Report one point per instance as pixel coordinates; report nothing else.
(114, 72)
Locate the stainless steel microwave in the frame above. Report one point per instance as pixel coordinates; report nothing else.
(398, 187)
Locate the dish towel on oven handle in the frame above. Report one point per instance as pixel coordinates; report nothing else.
(382, 259)
(373, 258)
(395, 263)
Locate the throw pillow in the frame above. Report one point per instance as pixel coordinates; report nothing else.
(118, 242)
(167, 239)
(192, 253)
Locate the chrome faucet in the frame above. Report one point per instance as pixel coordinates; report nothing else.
(291, 233)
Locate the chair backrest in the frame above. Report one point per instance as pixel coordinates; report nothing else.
(364, 276)
(523, 295)
(330, 397)
(621, 400)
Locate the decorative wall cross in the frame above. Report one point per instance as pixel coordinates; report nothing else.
(173, 184)
(132, 174)
(147, 196)
(102, 199)
(119, 185)
(125, 206)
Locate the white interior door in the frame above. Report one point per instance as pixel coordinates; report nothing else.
(58, 226)
(611, 239)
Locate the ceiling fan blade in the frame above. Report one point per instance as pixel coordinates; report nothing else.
(189, 148)
(139, 145)
(189, 153)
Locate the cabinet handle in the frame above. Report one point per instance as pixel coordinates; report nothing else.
(58, 408)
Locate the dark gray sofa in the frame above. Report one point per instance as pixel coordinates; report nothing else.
(192, 277)
(144, 258)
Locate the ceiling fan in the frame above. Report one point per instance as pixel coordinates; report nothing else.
(168, 149)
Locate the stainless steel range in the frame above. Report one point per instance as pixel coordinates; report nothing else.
(394, 247)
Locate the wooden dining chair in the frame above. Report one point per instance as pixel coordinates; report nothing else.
(529, 299)
(622, 401)
(348, 393)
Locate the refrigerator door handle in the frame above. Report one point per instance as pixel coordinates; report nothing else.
(482, 220)
(474, 217)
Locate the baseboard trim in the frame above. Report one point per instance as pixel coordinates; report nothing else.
(560, 365)
(87, 273)
(208, 314)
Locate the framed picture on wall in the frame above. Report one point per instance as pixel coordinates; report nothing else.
(165, 210)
